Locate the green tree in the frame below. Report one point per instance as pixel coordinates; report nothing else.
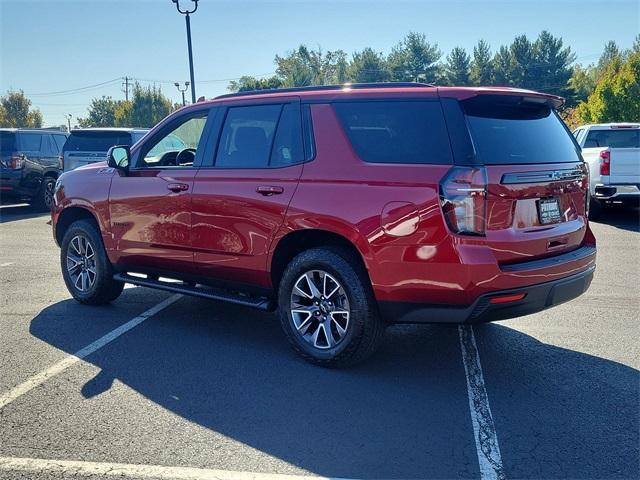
(610, 53)
(368, 66)
(16, 111)
(617, 94)
(582, 83)
(501, 66)
(102, 113)
(550, 68)
(522, 59)
(146, 108)
(302, 67)
(248, 83)
(414, 59)
(481, 68)
(456, 70)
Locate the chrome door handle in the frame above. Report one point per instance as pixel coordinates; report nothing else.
(178, 187)
(268, 190)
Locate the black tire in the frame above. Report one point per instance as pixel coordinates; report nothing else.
(365, 328)
(44, 198)
(103, 289)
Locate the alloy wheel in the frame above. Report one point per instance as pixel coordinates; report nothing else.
(320, 309)
(81, 263)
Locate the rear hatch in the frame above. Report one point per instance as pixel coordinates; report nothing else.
(536, 181)
(89, 146)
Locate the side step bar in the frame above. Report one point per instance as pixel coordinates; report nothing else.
(212, 293)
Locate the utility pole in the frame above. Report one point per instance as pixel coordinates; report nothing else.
(125, 84)
(186, 86)
(69, 122)
(187, 19)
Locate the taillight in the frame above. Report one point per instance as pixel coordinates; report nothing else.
(16, 161)
(605, 162)
(463, 197)
(61, 161)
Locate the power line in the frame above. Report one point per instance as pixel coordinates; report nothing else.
(74, 90)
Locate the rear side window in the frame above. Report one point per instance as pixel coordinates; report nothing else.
(396, 131)
(7, 142)
(96, 141)
(509, 130)
(59, 141)
(613, 138)
(30, 142)
(261, 136)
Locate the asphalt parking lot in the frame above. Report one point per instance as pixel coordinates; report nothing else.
(203, 388)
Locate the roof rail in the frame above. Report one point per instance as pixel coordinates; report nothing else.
(312, 88)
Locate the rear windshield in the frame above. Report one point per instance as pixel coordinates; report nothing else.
(508, 130)
(7, 142)
(396, 131)
(95, 141)
(613, 138)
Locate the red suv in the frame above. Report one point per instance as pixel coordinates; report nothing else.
(346, 208)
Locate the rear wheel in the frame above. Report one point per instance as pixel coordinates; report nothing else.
(327, 308)
(86, 269)
(44, 197)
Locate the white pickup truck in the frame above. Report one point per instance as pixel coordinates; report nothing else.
(612, 151)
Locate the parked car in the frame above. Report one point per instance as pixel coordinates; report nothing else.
(612, 151)
(90, 145)
(29, 164)
(344, 208)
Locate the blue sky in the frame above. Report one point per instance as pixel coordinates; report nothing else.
(52, 46)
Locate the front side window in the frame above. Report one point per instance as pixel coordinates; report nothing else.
(396, 131)
(176, 148)
(264, 136)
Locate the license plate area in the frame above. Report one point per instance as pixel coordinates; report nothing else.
(549, 210)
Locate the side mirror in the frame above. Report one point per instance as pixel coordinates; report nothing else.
(118, 157)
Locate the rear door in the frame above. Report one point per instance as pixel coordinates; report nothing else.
(241, 193)
(536, 179)
(33, 147)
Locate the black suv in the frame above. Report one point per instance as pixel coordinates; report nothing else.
(30, 164)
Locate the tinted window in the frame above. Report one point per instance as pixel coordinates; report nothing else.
(30, 142)
(247, 136)
(48, 146)
(96, 141)
(287, 144)
(59, 140)
(613, 138)
(7, 142)
(396, 131)
(506, 130)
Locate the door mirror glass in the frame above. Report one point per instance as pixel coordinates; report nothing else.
(118, 157)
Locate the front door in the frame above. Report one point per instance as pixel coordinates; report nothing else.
(241, 197)
(150, 207)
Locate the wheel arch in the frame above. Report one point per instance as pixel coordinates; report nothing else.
(297, 241)
(70, 215)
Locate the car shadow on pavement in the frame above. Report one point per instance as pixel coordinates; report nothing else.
(624, 218)
(402, 414)
(12, 213)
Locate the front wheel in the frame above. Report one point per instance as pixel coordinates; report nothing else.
(327, 308)
(86, 269)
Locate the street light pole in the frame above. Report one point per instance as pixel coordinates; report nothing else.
(69, 121)
(187, 19)
(186, 85)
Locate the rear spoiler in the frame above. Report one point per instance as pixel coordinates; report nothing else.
(529, 96)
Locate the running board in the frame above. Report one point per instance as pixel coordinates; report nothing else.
(212, 293)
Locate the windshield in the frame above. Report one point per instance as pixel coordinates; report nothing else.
(96, 141)
(508, 130)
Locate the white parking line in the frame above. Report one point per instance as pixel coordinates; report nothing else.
(157, 472)
(6, 264)
(55, 369)
(484, 430)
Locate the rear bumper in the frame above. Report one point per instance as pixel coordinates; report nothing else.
(536, 298)
(624, 192)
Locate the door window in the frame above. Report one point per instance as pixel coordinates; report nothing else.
(59, 141)
(176, 148)
(30, 142)
(261, 136)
